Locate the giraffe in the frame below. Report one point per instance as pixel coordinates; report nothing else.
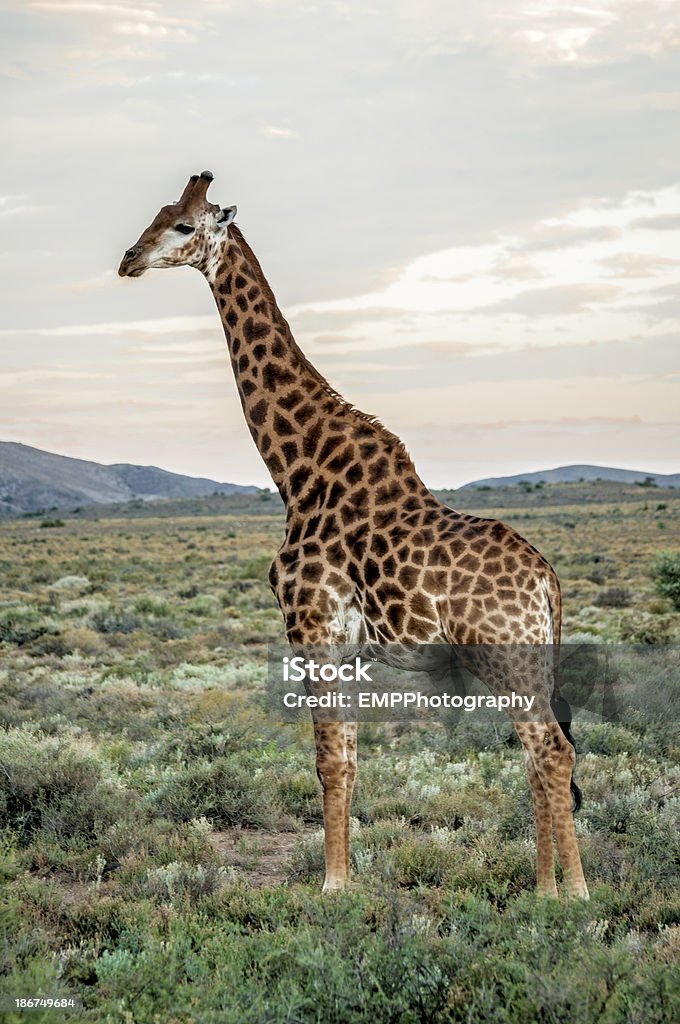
(369, 554)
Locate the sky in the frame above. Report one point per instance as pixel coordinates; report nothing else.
(469, 213)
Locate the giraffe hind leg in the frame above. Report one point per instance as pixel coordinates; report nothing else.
(545, 856)
(553, 758)
(527, 670)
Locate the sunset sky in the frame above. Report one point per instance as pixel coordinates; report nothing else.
(470, 214)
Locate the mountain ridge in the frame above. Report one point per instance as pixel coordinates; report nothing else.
(32, 479)
(576, 473)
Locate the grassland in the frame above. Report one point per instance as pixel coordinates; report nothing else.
(161, 848)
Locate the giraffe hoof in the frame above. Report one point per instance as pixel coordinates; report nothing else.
(576, 892)
(334, 885)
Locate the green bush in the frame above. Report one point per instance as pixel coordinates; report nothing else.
(60, 790)
(20, 624)
(647, 631)
(666, 573)
(613, 597)
(156, 607)
(178, 882)
(115, 620)
(227, 791)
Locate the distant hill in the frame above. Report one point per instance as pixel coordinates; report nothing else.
(574, 474)
(31, 479)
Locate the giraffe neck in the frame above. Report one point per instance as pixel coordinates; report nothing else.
(309, 437)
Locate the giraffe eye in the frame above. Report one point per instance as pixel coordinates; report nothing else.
(184, 229)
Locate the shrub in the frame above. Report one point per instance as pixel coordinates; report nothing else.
(300, 794)
(666, 573)
(159, 608)
(115, 620)
(158, 842)
(227, 791)
(613, 597)
(179, 882)
(61, 790)
(77, 584)
(204, 604)
(308, 856)
(422, 862)
(253, 568)
(165, 629)
(84, 640)
(649, 632)
(19, 624)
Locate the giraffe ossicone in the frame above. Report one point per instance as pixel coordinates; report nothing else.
(369, 555)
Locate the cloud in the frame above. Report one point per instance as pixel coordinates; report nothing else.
(516, 266)
(638, 264)
(468, 293)
(33, 376)
(310, 317)
(668, 310)
(559, 300)
(605, 33)
(16, 205)
(449, 348)
(669, 100)
(335, 340)
(107, 279)
(547, 236)
(573, 397)
(548, 32)
(123, 18)
(189, 78)
(162, 325)
(279, 133)
(103, 34)
(662, 222)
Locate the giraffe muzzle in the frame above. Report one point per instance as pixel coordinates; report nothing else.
(127, 267)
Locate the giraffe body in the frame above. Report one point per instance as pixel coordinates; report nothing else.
(369, 555)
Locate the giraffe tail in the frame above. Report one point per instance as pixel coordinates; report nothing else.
(560, 706)
(562, 712)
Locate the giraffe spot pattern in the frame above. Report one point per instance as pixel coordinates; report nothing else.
(359, 516)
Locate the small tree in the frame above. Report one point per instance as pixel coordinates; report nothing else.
(666, 573)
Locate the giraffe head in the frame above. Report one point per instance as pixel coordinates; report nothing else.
(186, 233)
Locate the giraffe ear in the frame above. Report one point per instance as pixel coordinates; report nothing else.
(227, 215)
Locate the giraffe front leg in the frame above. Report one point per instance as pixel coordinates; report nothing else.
(351, 748)
(332, 767)
(334, 737)
(545, 855)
